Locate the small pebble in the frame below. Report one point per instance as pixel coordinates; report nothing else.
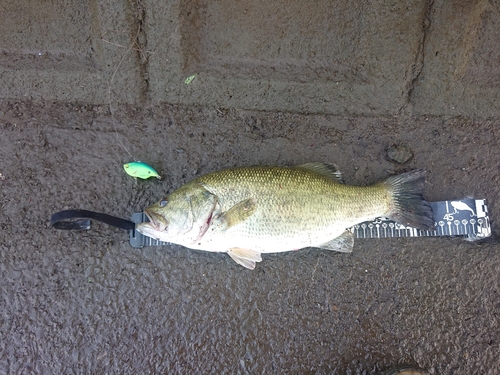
(398, 153)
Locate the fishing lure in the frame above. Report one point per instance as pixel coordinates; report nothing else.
(190, 79)
(140, 170)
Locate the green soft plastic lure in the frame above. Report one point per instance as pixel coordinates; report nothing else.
(140, 170)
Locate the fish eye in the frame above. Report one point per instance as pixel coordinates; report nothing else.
(163, 202)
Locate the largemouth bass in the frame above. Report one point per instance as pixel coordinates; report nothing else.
(263, 209)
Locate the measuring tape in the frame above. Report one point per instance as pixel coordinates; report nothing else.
(466, 217)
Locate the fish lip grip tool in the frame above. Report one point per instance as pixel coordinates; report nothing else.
(465, 217)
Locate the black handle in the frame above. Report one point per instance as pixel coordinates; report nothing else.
(61, 220)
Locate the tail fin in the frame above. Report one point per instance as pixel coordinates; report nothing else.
(409, 205)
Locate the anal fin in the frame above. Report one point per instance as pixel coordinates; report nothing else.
(343, 243)
(245, 257)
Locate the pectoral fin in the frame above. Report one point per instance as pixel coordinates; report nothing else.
(238, 213)
(245, 257)
(343, 243)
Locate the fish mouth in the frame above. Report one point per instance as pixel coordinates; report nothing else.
(155, 220)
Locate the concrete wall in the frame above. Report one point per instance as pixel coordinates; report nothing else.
(339, 57)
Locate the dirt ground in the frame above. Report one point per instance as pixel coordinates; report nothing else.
(86, 302)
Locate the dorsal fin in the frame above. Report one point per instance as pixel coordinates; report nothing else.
(328, 170)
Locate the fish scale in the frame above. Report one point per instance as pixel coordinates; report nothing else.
(264, 209)
(295, 206)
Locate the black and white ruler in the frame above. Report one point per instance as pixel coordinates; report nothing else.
(466, 217)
